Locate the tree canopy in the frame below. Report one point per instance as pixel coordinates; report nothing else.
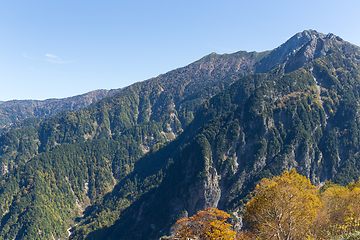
(283, 207)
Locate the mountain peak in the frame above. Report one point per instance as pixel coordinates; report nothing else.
(309, 34)
(302, 48)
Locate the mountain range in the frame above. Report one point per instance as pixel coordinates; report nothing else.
(129, 165)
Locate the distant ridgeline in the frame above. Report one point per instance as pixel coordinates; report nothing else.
(130, 165)
(13, 111)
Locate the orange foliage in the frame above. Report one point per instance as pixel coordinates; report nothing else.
(283, 207)
(208, 224)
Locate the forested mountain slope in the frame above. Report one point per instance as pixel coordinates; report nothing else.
(194, 137)
(170, 100)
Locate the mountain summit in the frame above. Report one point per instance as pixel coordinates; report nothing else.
(304, 47)
(130, 165)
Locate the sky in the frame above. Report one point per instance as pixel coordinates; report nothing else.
(62, 48)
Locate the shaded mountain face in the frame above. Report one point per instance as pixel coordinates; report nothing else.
(170, 101)
(128, 166)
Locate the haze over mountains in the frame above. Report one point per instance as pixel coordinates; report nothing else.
(131, 164)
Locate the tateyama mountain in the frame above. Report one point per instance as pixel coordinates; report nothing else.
(128, 163)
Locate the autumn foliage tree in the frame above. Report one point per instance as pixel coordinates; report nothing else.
(340, 212)
(208, 224)
(283, 207)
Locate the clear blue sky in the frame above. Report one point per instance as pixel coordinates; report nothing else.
(60, 48)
